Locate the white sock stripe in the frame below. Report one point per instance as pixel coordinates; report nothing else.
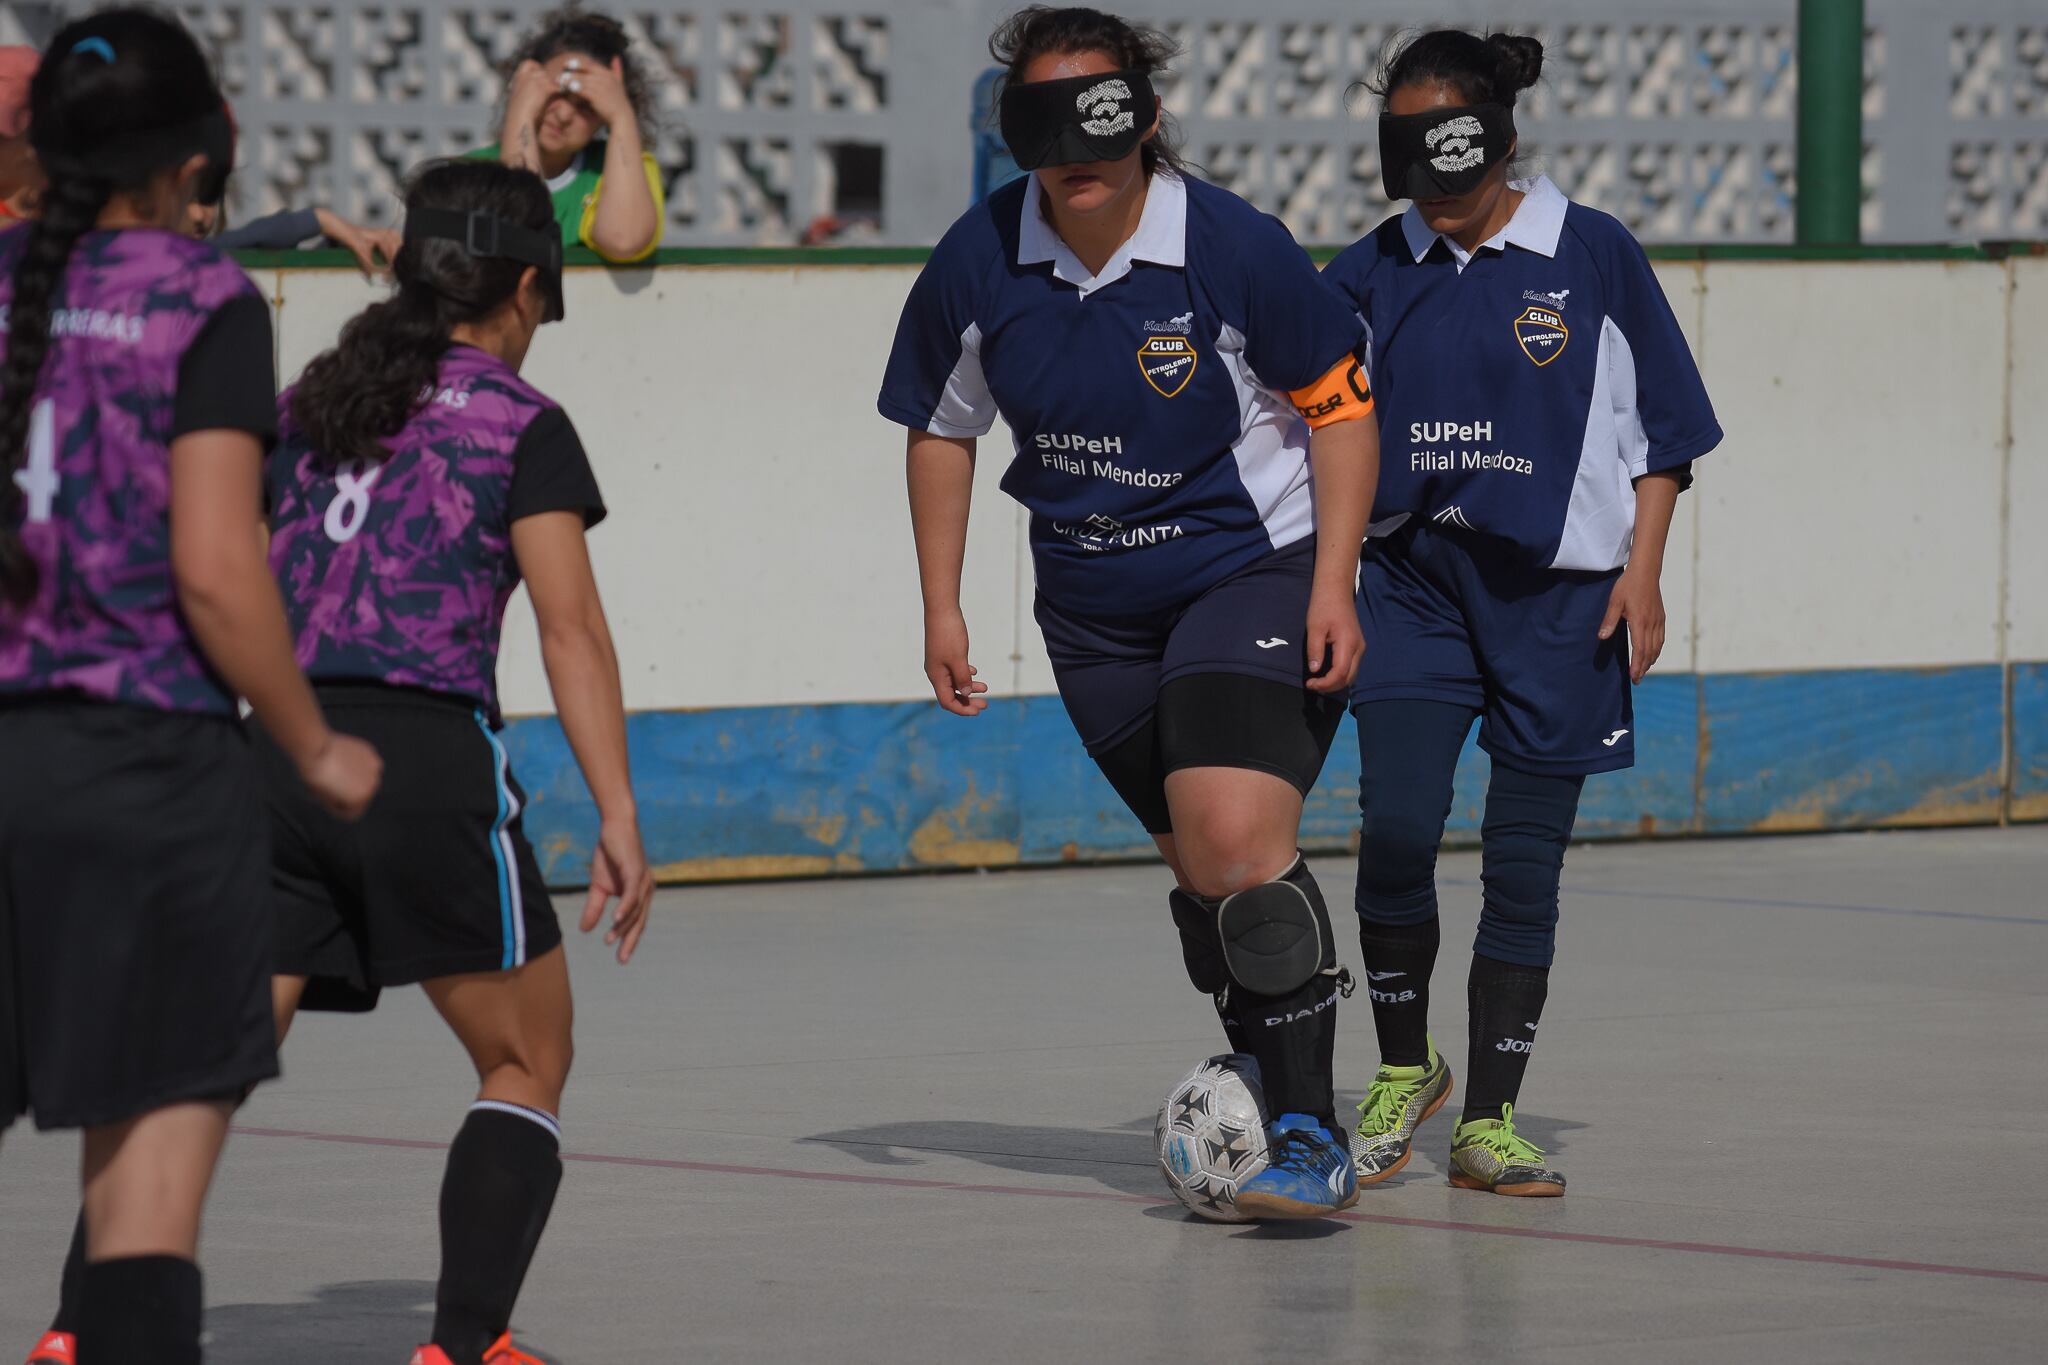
(538, 1116)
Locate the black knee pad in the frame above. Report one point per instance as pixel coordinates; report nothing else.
(1276, 936)
(1200, 946)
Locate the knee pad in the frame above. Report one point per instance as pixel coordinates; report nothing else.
(1200, 947)
(1276, 936)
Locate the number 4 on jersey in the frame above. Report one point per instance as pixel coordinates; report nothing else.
(38, 479)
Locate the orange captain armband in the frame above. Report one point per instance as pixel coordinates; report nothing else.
(1342, 395)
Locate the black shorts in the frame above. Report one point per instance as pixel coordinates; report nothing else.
(437, 879)
(135, 942)
(1219, 682)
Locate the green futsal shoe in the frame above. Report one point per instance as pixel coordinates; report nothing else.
(1400, 1098)
(1488, 1154)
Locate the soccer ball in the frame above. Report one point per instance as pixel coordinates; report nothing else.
(1211, 1136)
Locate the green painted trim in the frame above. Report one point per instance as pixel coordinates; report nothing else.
(768, 257)
(792, 255)
(333, 258)
(1847, 251)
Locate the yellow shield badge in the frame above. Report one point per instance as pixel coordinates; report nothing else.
(1542, 333)
(1167, 363)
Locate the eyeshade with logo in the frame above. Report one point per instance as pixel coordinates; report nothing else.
(1443, 151)
(1078, 118)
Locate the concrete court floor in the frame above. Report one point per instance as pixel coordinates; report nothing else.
(1800, 1087)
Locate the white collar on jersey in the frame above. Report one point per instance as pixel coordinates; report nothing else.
(1537, 224)
(1161, 238)
(570, 172)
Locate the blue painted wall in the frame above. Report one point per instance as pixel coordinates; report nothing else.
(794, 791)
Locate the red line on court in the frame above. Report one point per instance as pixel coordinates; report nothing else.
(1110, 1196)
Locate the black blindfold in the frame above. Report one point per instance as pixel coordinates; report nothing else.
(485, 236)
(1443, 151)
(1080, 118)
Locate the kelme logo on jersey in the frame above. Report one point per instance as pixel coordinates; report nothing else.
(1167, 363)
(1542, 333)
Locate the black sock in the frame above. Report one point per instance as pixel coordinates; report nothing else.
(139, 1310)
(71, 1289)
(1294, 1037)
(503, 1170)
(1507, 1004)
(1398, 961)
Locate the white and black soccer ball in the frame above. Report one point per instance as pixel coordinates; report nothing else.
(1211, 1135)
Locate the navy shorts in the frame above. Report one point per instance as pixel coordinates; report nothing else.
(1217, 682)
(1453, 617)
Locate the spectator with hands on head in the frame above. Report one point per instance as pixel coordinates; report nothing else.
(577, 104)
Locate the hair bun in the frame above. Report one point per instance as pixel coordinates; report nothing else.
(1520, 59)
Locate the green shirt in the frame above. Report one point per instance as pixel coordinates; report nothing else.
(576, 189)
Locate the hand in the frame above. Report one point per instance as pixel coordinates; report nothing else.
(343, 774)
(945, 664)
(1639, 601)
(619, 870)
(1333, 636)
(528, 94)
(603, 88)
(366, 244)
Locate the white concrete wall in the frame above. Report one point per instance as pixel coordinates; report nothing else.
(1877, 501)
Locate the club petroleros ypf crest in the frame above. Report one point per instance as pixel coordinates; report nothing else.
(1167, 363)
(1542, 334)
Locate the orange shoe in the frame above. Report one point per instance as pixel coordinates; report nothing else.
(502, 1352)
(56, 1348)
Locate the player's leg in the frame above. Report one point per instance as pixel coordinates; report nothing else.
(145, 1183)
(1527, 827)
(1263, 918)
(56, 1346)
(136, 849)
(1243, 740)
(1560, 709)
(451, 897)
(1108, 677)
(505, 1163)
(1417, 691)
(309, 930)
(1408, 753)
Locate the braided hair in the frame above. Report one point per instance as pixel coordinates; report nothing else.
(108, 79)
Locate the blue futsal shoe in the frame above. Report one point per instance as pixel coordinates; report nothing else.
(1308, 1173)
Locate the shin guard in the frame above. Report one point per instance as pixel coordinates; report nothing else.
(1282, 963)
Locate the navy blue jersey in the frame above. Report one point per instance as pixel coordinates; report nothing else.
(1156, 444)
(1525, 386)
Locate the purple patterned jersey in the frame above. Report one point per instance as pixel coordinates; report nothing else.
(95, 474)
(398, 572)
